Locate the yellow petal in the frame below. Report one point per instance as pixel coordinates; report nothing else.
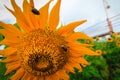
(12, 66)
(40, 78)
(78, 35)
(16, 7)
(19, 14)
(25, 76)
(52, 77)
(31, 3)
(30, 16)
(8, 51)
(43, 18)
(76, 54)
(12, 63)
(80, 60)
(11, 28)
(69, 67)
(18, 75)
(9, 36)
(75, 65)
(83, 50)
(20, 18)
(9, 43)
(68, 29)
(54, 16)
(10, 59)
(36, 78)
(62, 75)
(30, 77)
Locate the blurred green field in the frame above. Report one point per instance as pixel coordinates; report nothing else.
(104, 67)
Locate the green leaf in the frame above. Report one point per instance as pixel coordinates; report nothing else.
(1, 37)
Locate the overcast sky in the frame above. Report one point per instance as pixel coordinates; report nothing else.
(71, 10)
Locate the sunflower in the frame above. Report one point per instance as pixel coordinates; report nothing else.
(97, 38)
(109, 39)
(118, 43)
(115, 35)
(38, 50)
(99, 51)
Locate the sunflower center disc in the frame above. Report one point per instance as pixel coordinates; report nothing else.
(42, 52)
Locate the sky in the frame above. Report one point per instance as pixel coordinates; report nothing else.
(71, 10)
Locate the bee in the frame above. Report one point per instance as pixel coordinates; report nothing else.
(35, 11)
(64, 48)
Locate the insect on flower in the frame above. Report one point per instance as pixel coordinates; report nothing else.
(35, 11)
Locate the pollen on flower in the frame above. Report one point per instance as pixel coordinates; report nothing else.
(43, 52)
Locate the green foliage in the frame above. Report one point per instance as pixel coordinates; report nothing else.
(104, 67)
(2, 72)
(97, 70)
(17, 26)
(1, 37)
